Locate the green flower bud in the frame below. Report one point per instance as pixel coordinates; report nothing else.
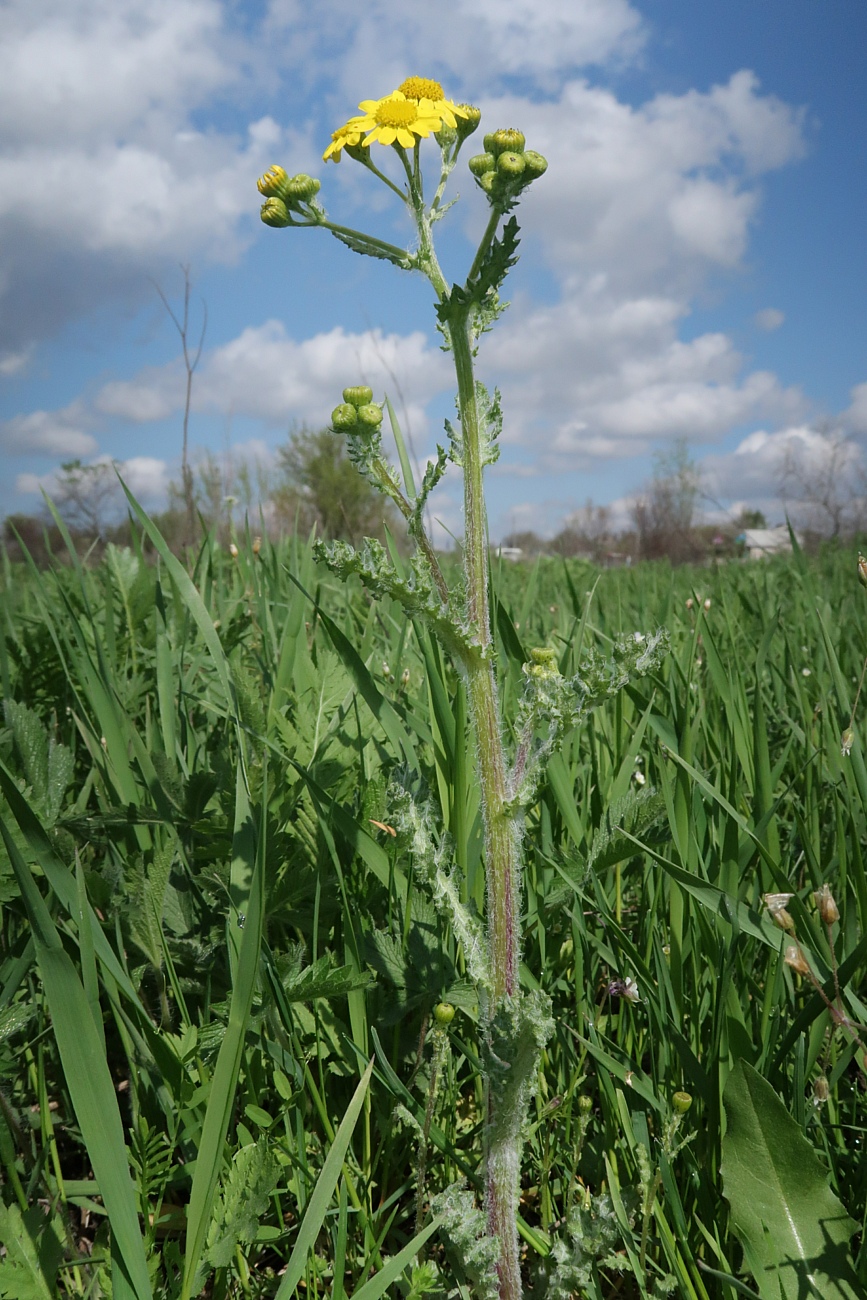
(444, 1013)
(467, 125)
(510, 163)
(585, 1104)
(481, 163)
(273, 183)
(534, 164)
(487, 181)
(359, 396)
(369, 414)
(301, 188)
(344, 418)
(681, 1101)
(506, 140)
(274, 213)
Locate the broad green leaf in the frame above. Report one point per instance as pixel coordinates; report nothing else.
(793, 1229)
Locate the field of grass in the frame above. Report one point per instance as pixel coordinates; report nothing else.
(210, 928)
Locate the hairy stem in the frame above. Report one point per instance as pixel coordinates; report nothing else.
(500, 834)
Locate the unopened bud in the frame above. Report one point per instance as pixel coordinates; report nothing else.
(470, 120)
(585, 1104)
(487, 181)
(358, 396)
(275, 213)
(233, 550)
(506, 140)
(370, 414)
(534, 164)
(301, 188)
(481, 163)
(776, 905)
(344, 417)
(404, 678)
(681, 1101)
(862, 570)
(796, 959)
(257, 545)
(510, 163)
(828, 909)
(846, 742)
(444, 1013)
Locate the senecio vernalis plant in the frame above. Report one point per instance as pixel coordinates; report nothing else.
(515, 1023)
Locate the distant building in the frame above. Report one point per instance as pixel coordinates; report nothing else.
(509, 552)
(760, 543)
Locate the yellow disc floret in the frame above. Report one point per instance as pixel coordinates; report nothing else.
(424, 88)
(398, 119)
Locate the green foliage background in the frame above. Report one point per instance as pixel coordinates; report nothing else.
(197, 788)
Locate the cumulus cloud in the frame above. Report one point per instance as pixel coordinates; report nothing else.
(856, 416)
(654, 195)
(51, 433)
(597, 377)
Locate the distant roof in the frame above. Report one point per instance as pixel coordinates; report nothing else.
(766, 539)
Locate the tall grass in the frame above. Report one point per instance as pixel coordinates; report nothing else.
(218, 971)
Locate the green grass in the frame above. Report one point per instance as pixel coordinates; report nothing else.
(207, 936)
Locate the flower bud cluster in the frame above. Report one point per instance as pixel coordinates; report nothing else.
(357, 413)
(285, 194)
(506, 167)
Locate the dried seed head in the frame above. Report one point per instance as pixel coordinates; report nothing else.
(257, 545)
(846, 741)
(796, 959)
(233, 550)
(862, 570)
(690, 602)
(707, 604)
(776, 905)
(828, 909)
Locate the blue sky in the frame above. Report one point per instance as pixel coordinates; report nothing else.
(693, 263)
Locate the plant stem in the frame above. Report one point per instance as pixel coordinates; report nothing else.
(500, 833)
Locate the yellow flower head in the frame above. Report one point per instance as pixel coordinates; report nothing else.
(345, 136)
(417, 89)
(396, 118)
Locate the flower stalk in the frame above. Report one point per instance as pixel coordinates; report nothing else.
(515, 1024)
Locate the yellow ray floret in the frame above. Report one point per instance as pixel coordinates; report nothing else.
(396, 118)
(349, 134)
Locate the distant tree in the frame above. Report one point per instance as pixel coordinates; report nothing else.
(526, 541)
(664, 513)
(822, 481)
(317, 483)
(750, 519)
(87, 496)
(586, 532)
(192, 355)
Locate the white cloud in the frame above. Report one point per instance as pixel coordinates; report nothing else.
(146, 476)
(51, 433)
(656, 195)
(856, 416)
(596, 377)
(769, 319)
(475, 45)
(267, 374)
